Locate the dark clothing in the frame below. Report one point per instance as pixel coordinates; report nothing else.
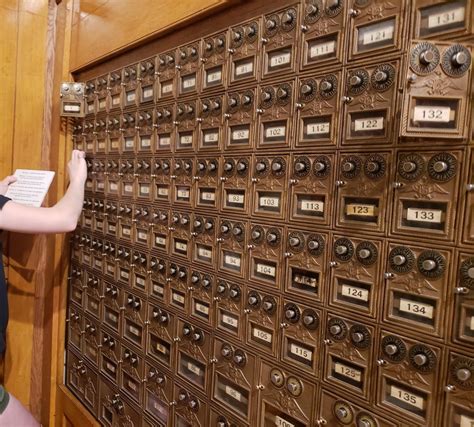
(3, 293)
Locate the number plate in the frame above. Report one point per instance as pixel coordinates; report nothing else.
(228, 320)
(178, 298)
(167, 88)
(181, 246)
(238, 199)
(233, 393)
(189, 82)
(417, 308)
(265, 269)
(214, 77)
(238, 135)
(378, 35)
(424, 215)
(432, 114)
(211, 137)
(209, 196)
(281, 422)
(280, 59)
(183, 194)
(312, 206)
(164, 141)
(186, 139)
(144, 189)
(375, 123)
(163, 191)
(161, 348)
(134, 331)
(262, 335)
(406, 397)
(194, 369)
(317, 128)
(145, 142)
(160, 241)
(204, 253)
(275, 131)
(128, 142)
(273, 202)
(102, 104)
(446, 18)
(360, 210)
(351, 373)
(232, 260)
(131, 96)
(244, 68)
(147, 92)
(321, 49)
(356, 293)
(201, 308)
(301, 352)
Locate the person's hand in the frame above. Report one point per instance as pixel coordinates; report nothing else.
(5, 183)
(77, 167)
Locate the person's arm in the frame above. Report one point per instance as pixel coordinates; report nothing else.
(60, 218)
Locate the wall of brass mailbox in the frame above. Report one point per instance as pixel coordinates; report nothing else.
(279, 222)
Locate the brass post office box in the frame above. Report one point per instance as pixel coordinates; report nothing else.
(110, 253)
(93, 294)
(100, 132)
(436, 91)
(167, 75)
(158, 279)
(77, 137)
(75, 286)
(214, 62)
(416, 288)
(240, 110)
(97, 245)
(92, 343)
(220, 418)
(127, 178)
(113, 175)
(210, 118)
(132, 374)
(124, 265)
(129, 132)
(194, 352)
(467, 229)
(134, 316)
(459, 388)
(270, 185)
(182, 179)
(426, 193)
(130, 86)
(161, 335)
(114, 410)
(311, 188)
(98, 174)
(180, 227)
(285, 398)
(76, 246)
(409, 374)
(86, 214)
(370, 104)
(109, 356)
(349, 356)
(263, 322)
(201, 299)
(244, 48)
(323, 36)
(190, 409)
(186, 129)
(356, 274)
(301, 337)
(363, 190)
(115, 90)
(306, 264)
(161, 220)
(232, 246)
(165, 135)
(204, 234)
(235, 179)
(102, 88)
(158, 394)
(146, 129)
(75, 326)
(189, 66)
(142, 225)
(143, 179)
(162, 178)
(113, 297)
(113, 133)
(280, 41)
(234, 379)
(83, 381)
(147, 78)
(86, 254)
(442, 19)
(90, 97)
(229, 299)
(125, 221)
(88, 134)
(178, 282)
(98, 220)
(463, 289)
(338, 412)
(266, 255)
(275, 112)
(376, 28)
(206, 177)
(318, 102)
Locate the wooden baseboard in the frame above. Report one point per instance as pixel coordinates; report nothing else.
(70, 412)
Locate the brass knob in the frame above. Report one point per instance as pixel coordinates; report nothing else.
(391, 349)
(294, 241)
(429, 265)
(335, 329)
(440, 166)
(420, 359)
(341, 249)
(364, 253)
(270, 24)
(427, 57)
(355, 81)
(256, 234)
(463, 374)
(300, 167)
(399, 260)
(459, 59)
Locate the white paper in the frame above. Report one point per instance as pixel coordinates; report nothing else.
(446, 18)
(31, 187)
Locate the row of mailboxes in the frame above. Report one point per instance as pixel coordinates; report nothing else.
(406, 286)
(312, 34)
(402, 376)
(420, 190)
(307, 112)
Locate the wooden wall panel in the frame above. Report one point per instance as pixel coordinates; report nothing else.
(104, 27)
